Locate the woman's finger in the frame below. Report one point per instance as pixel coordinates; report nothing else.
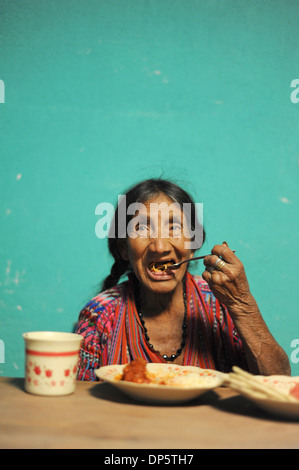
(206, 275)
(225, 253)
(216, 262)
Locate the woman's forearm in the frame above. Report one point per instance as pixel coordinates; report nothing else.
(263, 353)
(229, 284)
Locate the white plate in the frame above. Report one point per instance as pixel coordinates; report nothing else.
(276, 407)
(205, 379)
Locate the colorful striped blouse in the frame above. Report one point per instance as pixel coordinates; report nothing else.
(113, 333)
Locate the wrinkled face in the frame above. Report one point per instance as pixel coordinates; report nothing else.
(157, 236)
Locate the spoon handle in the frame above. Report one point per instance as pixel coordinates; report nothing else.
(177, 265)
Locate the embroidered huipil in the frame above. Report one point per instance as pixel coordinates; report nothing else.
(113, 333)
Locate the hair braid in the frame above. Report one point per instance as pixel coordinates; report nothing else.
(117, 270)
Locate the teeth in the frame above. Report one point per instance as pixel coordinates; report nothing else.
(159, 266)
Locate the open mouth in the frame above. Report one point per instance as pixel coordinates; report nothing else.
(160, 266)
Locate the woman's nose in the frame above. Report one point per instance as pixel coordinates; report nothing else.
(160, 245)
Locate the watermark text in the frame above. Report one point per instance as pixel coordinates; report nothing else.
(295, 352)
(2, 91)
(153, 220)
(2, 352)
(295, 93)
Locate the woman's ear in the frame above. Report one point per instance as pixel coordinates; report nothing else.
(122, 248)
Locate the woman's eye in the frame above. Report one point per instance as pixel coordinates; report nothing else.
(141, 228)
(176, 227)
(175, 230)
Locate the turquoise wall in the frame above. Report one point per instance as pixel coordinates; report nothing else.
(103, 93)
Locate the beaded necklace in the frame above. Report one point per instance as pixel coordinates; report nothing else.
(172, 357)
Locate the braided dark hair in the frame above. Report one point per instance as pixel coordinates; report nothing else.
(141, 192)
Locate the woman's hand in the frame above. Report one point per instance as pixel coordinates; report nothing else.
(229, 284)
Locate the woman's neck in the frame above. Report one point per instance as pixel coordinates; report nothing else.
(165, 304)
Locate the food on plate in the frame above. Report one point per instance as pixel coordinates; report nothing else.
(137, 371)
(160, 266)
(270, 388)
(295, 391)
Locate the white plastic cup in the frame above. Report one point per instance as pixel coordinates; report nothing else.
(51, 362)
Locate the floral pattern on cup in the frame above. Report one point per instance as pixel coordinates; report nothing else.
(38, 373)
(51, 362)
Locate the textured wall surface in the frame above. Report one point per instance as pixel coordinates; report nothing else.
(97, 95)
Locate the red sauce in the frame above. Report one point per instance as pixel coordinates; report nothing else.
(136, 372)
(295, 391)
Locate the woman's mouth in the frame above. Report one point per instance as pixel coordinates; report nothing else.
(160, 268)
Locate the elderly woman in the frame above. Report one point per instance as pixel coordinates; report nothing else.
(166, 315)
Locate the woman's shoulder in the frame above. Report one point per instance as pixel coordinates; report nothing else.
(104, 303)
(109, 296)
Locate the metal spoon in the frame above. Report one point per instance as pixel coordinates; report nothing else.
(177, 265)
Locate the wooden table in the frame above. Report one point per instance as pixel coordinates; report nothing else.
(99, 416)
